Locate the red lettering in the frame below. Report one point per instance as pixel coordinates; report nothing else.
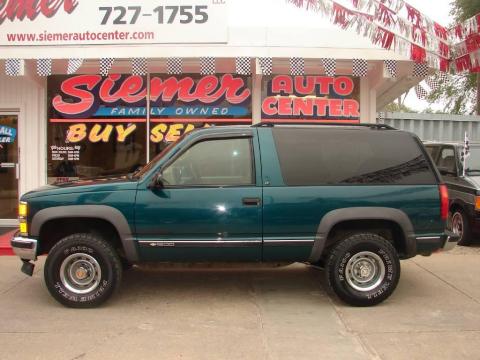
(324, 82)
(351, 108)
(321, 105)
(335, 107)
(19, 9)
(205, 87)
(268, 106)
(305, 85)
(233, 87)
(343, 86)
(131, 90)
(284, 106)
(303, 106)
(49, 7)
(282, 83)
(208, 89)
(71, 87)
(167, 89)
(69, 6)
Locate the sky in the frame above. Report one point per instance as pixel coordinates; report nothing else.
(251, 13)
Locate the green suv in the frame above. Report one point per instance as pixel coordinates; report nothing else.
(352, 199)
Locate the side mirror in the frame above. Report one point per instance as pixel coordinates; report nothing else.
(157, 182)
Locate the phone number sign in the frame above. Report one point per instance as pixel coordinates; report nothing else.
(70, 22)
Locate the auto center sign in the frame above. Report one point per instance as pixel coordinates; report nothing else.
(316, 98)
(71, 22)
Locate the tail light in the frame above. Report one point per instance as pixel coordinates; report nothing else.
(443, 201)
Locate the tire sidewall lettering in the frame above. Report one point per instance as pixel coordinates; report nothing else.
(102, 288)
(391, 265)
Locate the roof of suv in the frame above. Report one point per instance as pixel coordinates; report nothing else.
(235, 129)
(453, 143)
(326, 124)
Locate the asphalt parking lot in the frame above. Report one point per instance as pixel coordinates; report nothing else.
(282, 313)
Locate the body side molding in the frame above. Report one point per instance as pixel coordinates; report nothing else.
(362, 213)
(107, 213)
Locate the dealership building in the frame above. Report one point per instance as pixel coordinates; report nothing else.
(95, 90)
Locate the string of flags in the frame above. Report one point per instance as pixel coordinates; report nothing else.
(207, 66)
(174, 66)
(392, 24)
(74, 65)
(139, 66)
(329, 65)
(243, 66)
(398, 26)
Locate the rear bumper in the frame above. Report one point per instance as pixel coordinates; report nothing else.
(449, 240)
(24, 248)
(429, 244)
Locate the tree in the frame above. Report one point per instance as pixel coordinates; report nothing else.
(399, 105)
(396, 107)
(461, 92)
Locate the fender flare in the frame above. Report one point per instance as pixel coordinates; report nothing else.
(103, 212)
(362, 213)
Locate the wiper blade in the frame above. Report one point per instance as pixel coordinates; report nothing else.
(472, 170)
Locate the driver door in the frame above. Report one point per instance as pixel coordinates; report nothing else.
(208, 206)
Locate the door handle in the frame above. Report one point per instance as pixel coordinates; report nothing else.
(251, 201)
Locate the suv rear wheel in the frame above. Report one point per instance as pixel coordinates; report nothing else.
(82, 271)
(363, 269)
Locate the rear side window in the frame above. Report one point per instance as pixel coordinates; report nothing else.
(350, 156)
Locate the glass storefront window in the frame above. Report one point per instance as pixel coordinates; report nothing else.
(97, 126)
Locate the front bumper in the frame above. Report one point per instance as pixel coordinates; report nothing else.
(24, 248)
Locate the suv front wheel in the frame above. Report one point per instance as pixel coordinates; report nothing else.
(461, 227)
(82, 271)
(363, 269)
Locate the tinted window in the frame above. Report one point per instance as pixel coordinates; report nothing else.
(350, 156)
(446, 161)
(214, 162)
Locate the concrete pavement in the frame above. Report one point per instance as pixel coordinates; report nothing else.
(282, 313)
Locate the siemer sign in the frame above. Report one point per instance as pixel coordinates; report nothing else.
(76, 22)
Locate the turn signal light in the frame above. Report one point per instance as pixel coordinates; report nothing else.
(443, 201)
(22, 209)
(477, 202)
(23, 228)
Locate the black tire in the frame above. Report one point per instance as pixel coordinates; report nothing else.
(361, 252)
(82, 271)
(464, 231)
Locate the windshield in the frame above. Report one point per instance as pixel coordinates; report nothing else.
(472, 162)
(142, 171)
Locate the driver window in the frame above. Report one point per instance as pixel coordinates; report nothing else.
(446, 160)
(214, 162)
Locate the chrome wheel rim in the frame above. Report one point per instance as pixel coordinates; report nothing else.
(457, 224)
(80, 273)
(365, 271)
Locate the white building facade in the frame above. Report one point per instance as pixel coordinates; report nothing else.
(192, 67)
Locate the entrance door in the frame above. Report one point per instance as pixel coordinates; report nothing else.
(9, 170)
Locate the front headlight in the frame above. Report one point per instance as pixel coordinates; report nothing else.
(22, 218)
(22, 209)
